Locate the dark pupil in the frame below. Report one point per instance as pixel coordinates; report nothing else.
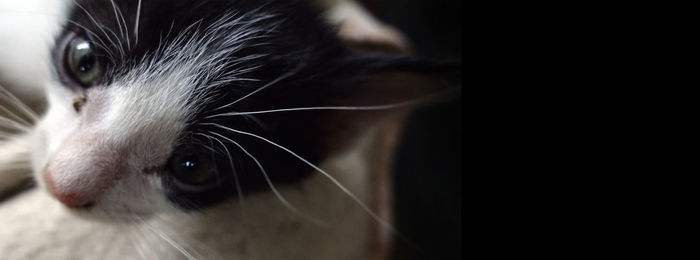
(190, 163)
(86, 63)
(192, 169)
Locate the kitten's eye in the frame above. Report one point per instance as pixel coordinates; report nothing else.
(192, 168)
(82, 61)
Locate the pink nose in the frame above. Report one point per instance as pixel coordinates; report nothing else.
(71, 198)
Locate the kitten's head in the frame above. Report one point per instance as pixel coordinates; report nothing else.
(147, 109)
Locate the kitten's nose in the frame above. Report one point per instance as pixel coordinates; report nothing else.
(82, 170)
(70, 198)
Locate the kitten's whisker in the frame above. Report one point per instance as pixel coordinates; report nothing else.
(194, 244)
(13, 100)
(331, 178)
(235, 174)
(12, 124)
(167, 239)
(138, 248)
(349, 108)
(272, 186)
(131, 236)
(212, 153)
(102, 44)
(120, 46)
(146, 236)
(126, 28)
(136, 24)
(116, 17)
(14, 116)
(99, 26)
(284, 76)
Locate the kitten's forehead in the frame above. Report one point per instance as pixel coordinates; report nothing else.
(133, 28)
(235, 45)
(128, 32)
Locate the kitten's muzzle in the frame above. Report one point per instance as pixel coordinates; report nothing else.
(70, 199)
(82, 170)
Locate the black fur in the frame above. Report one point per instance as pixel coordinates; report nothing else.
(329, 74)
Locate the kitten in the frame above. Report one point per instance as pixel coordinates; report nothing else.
(209, 118)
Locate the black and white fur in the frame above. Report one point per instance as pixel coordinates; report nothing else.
(265, 88)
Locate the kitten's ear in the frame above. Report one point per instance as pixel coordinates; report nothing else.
(406, 81)
(382, 86)
(359, 29)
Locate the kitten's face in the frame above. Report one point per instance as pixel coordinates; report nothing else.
(137, 118)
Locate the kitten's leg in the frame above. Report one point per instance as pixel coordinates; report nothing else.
(15, 166)
(358, 26)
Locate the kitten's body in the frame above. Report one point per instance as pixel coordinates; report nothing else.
(122, 226)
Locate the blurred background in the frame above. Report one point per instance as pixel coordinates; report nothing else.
(428, 167)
